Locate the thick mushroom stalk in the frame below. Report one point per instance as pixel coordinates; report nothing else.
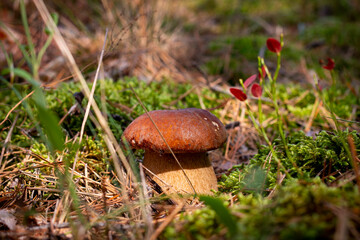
(170, 177)
(190, 133)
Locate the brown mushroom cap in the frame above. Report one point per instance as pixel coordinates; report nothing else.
(185, 130)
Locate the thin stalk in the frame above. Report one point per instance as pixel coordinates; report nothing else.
(333, 78)
(261, 85)
(43, 49)
(274, 98)
(262, 131)
(278, 66)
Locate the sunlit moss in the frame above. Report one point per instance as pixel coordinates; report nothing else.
(323, 156)
(299, 210)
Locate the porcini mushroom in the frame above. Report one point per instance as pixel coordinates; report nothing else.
(190, 133)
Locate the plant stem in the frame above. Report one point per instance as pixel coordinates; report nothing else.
(274, 98)
(278, 66)
(262, 131)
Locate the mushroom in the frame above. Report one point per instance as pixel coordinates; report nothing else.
(190, 133)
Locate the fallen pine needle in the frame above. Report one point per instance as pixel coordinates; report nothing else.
(16, 105)
(166, 222)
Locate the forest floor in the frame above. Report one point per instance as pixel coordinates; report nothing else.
(283, 78)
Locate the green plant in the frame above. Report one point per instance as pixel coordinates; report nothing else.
(256, 89)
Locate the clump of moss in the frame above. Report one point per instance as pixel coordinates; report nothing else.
(244, 178)
(299, 210)
(200, 224)
(302, 210)
(324, 156)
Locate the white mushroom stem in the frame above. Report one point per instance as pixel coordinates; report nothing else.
(196, 166)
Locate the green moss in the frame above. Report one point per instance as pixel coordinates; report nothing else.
(323, 156)
(243, 178)
(200, 224)
(299, 210)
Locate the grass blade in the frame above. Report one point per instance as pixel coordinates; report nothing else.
(222, 213)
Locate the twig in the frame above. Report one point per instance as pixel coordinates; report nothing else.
(271, 194)
(146, 209)
(7, 139)
(162, 226)
(16, 105)
(172, 103)
(313, 114)
(91, 98)
(354, 159)
(60, 191)
(156, 176)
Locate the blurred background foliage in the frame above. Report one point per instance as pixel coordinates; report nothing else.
(211, 37)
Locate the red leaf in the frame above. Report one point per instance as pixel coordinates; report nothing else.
(263, 73)
(330, 64)
(256, 90)
(3, 35)
(249, 81)
(238, 94)
(273, 45)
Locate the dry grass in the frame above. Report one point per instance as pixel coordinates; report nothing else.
(142, 42)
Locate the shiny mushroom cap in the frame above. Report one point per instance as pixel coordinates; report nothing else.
(185, 130)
